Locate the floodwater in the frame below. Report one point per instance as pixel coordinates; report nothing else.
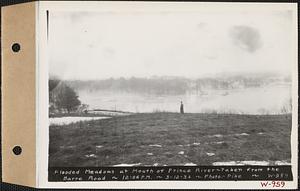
(259, 100)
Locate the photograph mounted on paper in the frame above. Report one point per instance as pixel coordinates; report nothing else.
(168, 87)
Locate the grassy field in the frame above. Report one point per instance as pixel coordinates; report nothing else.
(171, 139)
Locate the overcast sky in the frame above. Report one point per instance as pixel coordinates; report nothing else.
(98, 45)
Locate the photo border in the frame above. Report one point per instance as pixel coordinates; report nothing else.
(42, 96)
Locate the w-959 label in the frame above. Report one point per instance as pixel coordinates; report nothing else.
(273, 184)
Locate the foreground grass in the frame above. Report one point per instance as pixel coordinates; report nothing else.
(126, 139)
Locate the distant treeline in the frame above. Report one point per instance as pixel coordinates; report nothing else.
(174, 85)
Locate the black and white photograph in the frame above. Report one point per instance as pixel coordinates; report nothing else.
(163, 87)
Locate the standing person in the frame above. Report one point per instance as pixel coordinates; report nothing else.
(181, 108)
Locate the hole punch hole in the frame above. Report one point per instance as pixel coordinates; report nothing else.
(17, 150)
(16, 47)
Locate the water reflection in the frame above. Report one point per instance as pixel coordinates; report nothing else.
(258, 100)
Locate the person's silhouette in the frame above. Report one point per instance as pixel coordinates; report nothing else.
(181, 108)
